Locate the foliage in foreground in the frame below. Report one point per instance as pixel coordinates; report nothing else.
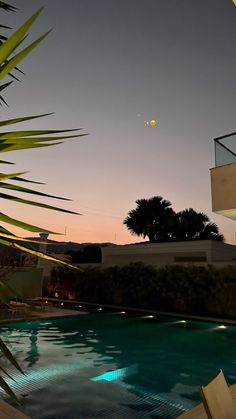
(204, 291)
(12, 52)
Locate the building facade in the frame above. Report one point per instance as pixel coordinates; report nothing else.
(199, 252)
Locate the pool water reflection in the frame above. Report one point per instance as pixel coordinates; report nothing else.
(105, 364)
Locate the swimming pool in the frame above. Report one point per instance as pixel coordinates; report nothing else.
(116, 365)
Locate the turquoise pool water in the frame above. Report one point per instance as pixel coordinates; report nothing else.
(114, 365)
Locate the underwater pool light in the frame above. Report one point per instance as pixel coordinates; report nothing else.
(182, 321)
(99, 309)
(118, 374)
(150, 317)
(123, 312)
(222, 326)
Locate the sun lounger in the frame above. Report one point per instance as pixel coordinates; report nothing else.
(9, 412)
(217, 399)
(199, 411)
(18, 307)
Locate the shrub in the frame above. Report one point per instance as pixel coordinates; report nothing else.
(204, 291)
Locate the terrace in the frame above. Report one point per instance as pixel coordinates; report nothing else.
(223, 176)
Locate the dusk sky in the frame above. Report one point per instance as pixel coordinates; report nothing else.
(108, 66)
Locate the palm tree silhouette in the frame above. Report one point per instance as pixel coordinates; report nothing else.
(192, 225)
(152, 219)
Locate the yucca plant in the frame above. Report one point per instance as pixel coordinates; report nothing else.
(12, 52)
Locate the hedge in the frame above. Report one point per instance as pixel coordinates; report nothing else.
(205, 291)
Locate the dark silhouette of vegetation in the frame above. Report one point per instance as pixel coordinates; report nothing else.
(196, 290)
(154, 218)
(89, 254)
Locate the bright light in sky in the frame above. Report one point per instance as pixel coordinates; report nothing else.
(151, 123)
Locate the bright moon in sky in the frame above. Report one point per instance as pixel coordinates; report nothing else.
(151, 123)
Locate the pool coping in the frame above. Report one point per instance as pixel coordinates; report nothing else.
(145, 310)
(45, 315)
(59, 312)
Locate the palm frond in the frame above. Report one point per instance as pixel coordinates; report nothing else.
(36, 204)
(21, 179)
(26, 190)
(11, 54)
(34, 252)
(21, 224)
(8, 7)
(22, 119)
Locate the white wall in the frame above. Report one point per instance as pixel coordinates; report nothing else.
(223, 190)
(159, 254)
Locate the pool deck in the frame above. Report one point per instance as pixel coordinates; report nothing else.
(47, 313)
(89, 305)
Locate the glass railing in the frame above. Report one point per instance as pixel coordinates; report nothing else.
(225, 149)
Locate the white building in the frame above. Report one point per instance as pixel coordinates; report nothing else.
(198, 252)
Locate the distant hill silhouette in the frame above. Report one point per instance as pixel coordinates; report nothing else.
(84, 252)
(64, 247)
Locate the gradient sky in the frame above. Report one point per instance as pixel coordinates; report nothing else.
(108, 66)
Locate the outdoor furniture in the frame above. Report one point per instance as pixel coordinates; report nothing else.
(217, 399)
(9, 412)
(199, 412)
(18, 307)
(39, 303)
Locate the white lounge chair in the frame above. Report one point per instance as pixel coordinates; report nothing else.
(217, 399)
(9, 412)
(220, 387)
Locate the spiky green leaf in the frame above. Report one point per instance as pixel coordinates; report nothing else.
(10, 175)
(32, 133)
(28, 227)
(8, 390)
(13, 41)
(37, 253)
(22, 119)
(9, 356)
(21, 179)
(37, 204)
(29, 191)
(14, 61)
(5, 372)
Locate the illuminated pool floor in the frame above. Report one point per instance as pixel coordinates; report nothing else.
(114, 365)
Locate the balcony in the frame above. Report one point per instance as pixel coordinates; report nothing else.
(223, 176)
